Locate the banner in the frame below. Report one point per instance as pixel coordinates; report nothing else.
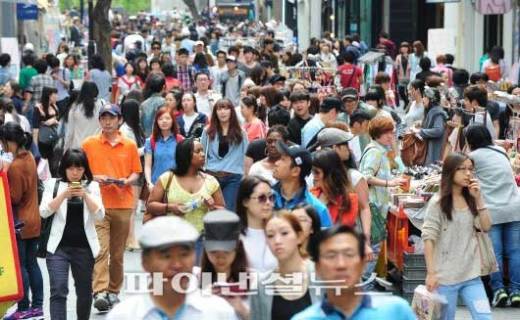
(11, 286)
(493, 6)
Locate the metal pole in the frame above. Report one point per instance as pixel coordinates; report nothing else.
(82, 11)
(91, 44)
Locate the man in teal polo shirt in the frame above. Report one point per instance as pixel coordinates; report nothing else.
(339, 255)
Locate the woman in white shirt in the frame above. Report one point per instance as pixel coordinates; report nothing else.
(75, 204)
(415, 112)
(255, 201)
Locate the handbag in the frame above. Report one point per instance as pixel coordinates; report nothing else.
(413, 150)
(48, 135)
(46, 225)
(147, 215)
(488, 261)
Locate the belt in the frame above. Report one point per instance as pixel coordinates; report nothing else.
(219, 174)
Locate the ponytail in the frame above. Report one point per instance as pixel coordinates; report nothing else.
(13, 132)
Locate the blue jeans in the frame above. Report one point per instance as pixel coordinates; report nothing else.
(506, 242)
(229, 185)
(81, 263)
(474, 296)
(31, 274)
(371, 266)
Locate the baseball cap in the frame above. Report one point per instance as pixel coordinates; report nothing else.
(275, 78)
(113, 109)
(231, 58)
(333, 136)
(301, 156)
(375, 93)
(167, 231)
(330, 103)
(349, 93)
(221, 230)
(199, 43)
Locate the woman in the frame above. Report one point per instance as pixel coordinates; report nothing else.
(23, 177)
(131, 128)
(141, 69)
(403, 70)
(269, 97)
(264, 168)
(450, 245)
(155, 66)
(415, 111)
(433, 125)
(160, 148)
(172, 100)
(284, 237)
(75, 202)
(169, 76)
(76, 73)
(253, 126)
(333, 188)
(225, 144)
(502, 197)
(13, 91)
(101, 77)
(128, 81)
(200, 63)
(225, 260)
(82, 116)
(46, 114)
(419, 52)
(375, 166)
(191, 123)
(12, 116)
(190, 193)
(310, 222)
(254, 205)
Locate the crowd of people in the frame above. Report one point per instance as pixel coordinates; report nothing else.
(252, 159)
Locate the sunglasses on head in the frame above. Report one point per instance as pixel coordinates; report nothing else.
(264, 197)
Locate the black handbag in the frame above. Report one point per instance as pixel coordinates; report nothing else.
(46, 225)
(48, 135)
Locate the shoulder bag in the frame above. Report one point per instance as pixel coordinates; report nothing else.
(488, 261)
(147, 215)
(46, 225)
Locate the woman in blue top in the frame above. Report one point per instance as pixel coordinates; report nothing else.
(225, 144)
(159, 149)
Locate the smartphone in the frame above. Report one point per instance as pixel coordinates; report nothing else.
(114, 181)
(75, 185)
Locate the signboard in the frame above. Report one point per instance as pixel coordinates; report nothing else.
(441, 41)
(26, 11)
(10, 275)
(493, 6)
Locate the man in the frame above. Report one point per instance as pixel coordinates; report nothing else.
(156, 51)
(339, 255)
(492, 107)
(201, 48)
(76, 35)
(168, 245)
(352, 50)
(205, 98)
(475, 98)
(115, 164)
(349, 74)
(278, 82)
(184, 70)
(442, 69)
(218, 70)
(359, 121)
(351, 103)
(300, 103)
(269, 71)
(62, 80)
(169, 46)
(232, 81)
(5, 68)
(328, 113)
(38, 82)
(249, 63)
(156, 84)
(290, 170)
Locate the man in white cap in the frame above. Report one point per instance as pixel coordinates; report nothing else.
(168, 245)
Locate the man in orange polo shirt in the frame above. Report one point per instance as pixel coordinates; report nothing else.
(115, 164)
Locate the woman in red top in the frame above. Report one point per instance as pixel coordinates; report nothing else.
(332, 187)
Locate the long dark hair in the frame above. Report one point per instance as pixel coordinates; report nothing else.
(184, 156)
(239, 264)
(315, 220)
(74, 158)
(87, 98)
(156, 131)
(45, 100)
(130, 114)
(335, 176)
(246, 188)
(449, 169)
(13, 132)
(235, 135)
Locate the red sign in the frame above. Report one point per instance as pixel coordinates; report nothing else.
(493, 6)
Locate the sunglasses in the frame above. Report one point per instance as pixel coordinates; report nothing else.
(264, 197)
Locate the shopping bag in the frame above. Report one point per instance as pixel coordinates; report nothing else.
(428, 305)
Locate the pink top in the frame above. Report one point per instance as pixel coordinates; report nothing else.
(255, 130)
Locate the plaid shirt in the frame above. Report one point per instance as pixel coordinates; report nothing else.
(185, 76)
(36, 86)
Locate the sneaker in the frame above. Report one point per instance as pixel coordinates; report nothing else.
(113, 298)
(500, 298)
(26, 314)
(36, 313)
(514, 300)
(101, 302)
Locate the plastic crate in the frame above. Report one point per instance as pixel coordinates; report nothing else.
(409, 285)
(397, 241)
(414, 273)
(414, 260)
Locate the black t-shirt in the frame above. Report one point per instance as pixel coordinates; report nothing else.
(74, 232)
(494, 110)
(256, 150)
(285, 309)
(223, 146)
(295, 129)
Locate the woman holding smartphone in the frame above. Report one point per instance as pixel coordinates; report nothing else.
(75, 202)
(450, 245)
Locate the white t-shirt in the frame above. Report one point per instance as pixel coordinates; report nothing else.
(188, 121)
(355, 176)
(258, 169)
(259, 255)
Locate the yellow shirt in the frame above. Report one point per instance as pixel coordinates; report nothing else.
(179, 196)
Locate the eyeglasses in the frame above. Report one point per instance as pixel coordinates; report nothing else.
(470, 169)
(263, 198)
